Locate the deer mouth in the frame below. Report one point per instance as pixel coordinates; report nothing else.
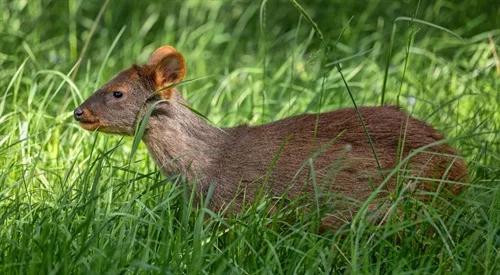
(89, 125)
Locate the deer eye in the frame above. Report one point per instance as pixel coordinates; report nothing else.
(117, 94)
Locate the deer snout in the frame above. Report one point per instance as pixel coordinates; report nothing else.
(86, 118)
(87, 114)
(78, 114)
(83, 114)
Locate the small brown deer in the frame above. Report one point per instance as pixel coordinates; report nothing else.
(347, 152)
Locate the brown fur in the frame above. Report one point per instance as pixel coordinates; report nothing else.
(286, 157)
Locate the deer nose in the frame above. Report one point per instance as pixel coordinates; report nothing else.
(78, 113)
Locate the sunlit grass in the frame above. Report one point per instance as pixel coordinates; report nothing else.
(76, 202)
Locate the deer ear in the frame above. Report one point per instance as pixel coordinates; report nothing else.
(160, 53)
(169, 66)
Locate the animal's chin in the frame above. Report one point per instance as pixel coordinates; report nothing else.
(102, 127)
(90, 126)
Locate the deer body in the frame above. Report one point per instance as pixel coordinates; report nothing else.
(290, 157)
(243, 158)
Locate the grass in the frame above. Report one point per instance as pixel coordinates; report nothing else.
(75, 202)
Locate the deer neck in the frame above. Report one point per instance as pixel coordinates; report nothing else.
(181, 142)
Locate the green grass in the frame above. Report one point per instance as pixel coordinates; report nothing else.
(74, 202)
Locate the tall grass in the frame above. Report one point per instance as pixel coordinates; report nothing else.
(78, 202)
